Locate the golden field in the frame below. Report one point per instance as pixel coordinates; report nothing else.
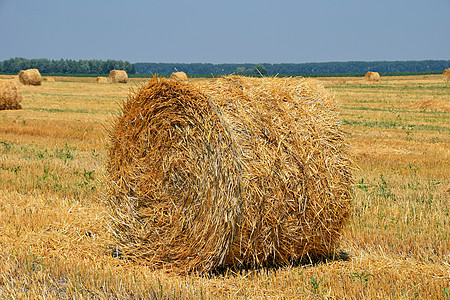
(54, 235)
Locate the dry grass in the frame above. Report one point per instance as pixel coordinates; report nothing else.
(53, 235)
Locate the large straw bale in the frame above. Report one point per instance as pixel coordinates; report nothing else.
(118, 76)
(10, 95)
(101, 79)
(229, 172)
(180, 76)
(30, 77)
(372, 76)
(446, 74)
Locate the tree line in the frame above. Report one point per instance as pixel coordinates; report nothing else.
(351, 67)
(95, 66)
(65, 66)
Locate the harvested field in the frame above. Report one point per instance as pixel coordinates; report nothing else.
(54, 234)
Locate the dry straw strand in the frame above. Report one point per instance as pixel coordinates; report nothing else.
(372, 76)
(118, 76)
(10, 95)
(229, 172)
(30, 77)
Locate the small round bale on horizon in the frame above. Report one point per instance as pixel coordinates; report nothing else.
(180, 76)
(446, 75)
(30, 77)
(118, 76)
(48, 79)
(372, 76)
(101, 79)
(235, 171)
(10, 95)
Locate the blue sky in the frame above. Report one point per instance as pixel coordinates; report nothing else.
(208, 31)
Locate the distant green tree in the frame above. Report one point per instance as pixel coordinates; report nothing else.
(82, 67)
(95, 66)
(258, 70)
(241, 71)
(69, 66)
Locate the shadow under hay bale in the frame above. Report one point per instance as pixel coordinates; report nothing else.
(306, 261)
(118, 76)
(10, 95)
(230, 172)
(30, 77)
(372, 76)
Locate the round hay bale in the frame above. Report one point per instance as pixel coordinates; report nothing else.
(446, 75)
(10, 95)
(101, 79)
(48, 79)
(372, 76)
(118, 76)
(229, 172)
(180, 76)
(30, 77)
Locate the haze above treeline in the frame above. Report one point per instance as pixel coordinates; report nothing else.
(99, 67)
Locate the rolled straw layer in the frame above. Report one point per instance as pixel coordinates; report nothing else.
(229, 172)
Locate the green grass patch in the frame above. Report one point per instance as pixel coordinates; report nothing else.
(78, 111)
(394, 124)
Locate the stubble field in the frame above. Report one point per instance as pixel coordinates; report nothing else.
(54, 235)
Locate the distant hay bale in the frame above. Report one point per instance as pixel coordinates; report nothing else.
(372, 76)
(118, 76)
(180, 76)
(10, 95)
(446, 74)
(30, 77)
(48, 79)
(230, 172)
(101, 79)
